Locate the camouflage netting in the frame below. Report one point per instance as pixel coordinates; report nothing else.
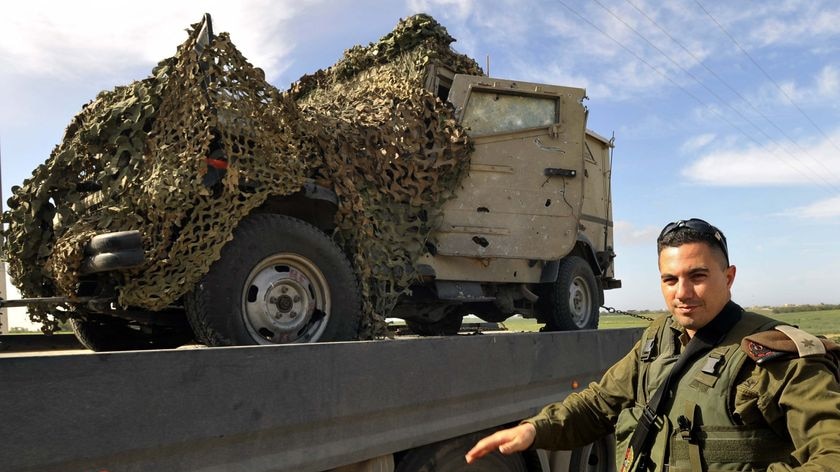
(365, 128)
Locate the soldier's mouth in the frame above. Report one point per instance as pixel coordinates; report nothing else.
(687, 308)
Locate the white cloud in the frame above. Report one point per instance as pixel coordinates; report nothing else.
(697, 142)
(595, 44)
(633, 49)
(794, 23)
(822, 209)
(650, 126)
(559, 75)
(626, 233)
(828, 82)
(740, 165)
(822, 87)
(455, 9)
(66, 40)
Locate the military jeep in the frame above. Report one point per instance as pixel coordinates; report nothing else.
(204, 203)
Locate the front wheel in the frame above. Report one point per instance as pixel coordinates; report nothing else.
(280, 280)
(573, 301)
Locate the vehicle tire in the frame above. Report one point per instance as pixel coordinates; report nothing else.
(573, 301)
(105, 333)
(448, 456)
(448, 326)
(280, 280)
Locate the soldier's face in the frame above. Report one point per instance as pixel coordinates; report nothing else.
(695, 282)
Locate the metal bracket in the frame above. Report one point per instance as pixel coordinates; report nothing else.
(461, 291)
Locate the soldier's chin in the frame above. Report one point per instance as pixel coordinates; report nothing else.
(685, 320)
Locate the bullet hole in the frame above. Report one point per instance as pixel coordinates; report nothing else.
(548, 202)
(483, 210)
(480, 241)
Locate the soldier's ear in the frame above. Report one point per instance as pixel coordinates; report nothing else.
(730, 275)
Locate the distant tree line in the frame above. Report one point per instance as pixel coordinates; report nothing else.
(800, 308)
(774, 309)
(18, 329)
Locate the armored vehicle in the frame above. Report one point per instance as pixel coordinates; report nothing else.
(202, 202)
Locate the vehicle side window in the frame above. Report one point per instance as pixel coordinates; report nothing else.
(444, 84)
(490, 112)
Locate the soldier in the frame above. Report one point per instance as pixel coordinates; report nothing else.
(710, 387)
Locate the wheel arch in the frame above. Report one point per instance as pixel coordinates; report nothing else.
(584, 249)
(313, 203)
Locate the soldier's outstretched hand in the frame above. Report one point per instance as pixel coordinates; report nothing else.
(507, 441)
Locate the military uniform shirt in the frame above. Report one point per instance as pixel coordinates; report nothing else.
(797, 398)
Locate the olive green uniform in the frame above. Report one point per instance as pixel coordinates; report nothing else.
(782, 415)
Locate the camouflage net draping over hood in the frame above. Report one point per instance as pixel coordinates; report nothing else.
(365, 128)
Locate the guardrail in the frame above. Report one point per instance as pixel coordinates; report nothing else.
(295, 407)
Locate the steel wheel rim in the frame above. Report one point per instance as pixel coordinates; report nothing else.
(286, 299)
(580, 302)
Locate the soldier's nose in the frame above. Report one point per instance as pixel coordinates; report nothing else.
(684, 290)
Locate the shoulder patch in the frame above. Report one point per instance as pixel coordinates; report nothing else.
(761, 353)
(784, 342)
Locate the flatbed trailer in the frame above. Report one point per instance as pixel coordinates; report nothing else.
(362, 406)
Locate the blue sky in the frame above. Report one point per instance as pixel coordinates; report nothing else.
(727, 111)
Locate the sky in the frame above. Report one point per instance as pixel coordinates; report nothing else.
(726, 111)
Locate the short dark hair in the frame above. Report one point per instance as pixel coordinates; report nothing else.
(693, 230)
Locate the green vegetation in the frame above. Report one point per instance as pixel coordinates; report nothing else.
(825, 322)
(820, 322)
(608, 321)
(800, 308)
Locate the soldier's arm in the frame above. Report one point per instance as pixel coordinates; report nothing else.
(586, 416)
(795, 388)
(506, 441)
(808, 401)
(800, 398)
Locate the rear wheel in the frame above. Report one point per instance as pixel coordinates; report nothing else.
(280, 280)
(573, 301)
(596, 457)
(105, 333)
(448, 456)
(448, 326)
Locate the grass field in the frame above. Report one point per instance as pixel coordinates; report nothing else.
(825, 322)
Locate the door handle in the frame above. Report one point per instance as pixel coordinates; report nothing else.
(558, 172)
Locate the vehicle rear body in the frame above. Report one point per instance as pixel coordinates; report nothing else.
(534, 176)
